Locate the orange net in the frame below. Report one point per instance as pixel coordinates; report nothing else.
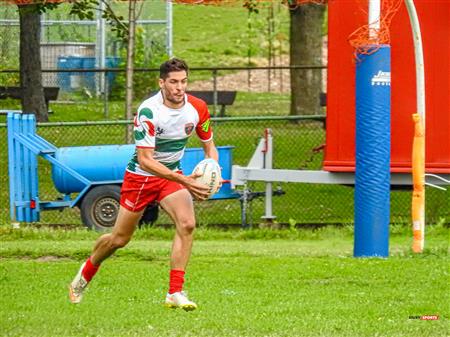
(367, 39)
(291, 3)
(30, 2)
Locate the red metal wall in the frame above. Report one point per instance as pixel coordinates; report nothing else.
(434, 15)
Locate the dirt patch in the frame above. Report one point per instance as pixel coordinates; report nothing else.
(249, 80)
(260, 80)
(51, 258)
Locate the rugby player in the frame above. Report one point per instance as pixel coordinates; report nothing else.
(162, 126)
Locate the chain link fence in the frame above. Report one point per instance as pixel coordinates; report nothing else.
(296, 144)
(70, 43)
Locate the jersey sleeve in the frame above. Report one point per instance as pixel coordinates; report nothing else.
(203, 128)
(144, 128)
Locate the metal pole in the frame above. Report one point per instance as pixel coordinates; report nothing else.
(418, 52)
(43, 30)
(169, 29)
(101, 41)
(244, 206)
(105, 96)
(374, 18)
(418, 157)
(215, 92)
(268, 164)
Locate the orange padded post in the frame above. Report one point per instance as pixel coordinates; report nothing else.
(418, 174)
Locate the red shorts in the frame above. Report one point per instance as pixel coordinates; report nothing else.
(139, 191)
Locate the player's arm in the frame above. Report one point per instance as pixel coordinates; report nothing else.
(210, 150)
(204, 132)
(149, 164)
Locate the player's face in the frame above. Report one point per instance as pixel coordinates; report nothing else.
(174, 87)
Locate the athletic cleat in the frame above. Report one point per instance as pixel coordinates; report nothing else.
(180, 300)
(77, 287)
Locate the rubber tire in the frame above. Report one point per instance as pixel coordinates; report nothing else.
(150, 215)
(91, 214)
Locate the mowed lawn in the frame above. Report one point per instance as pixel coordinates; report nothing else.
(246, 284)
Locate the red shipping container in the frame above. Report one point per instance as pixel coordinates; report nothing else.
(344, 17)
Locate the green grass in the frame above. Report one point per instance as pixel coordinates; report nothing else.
(219, 36)
(247, 283)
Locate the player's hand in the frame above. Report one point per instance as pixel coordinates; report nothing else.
(198, 190)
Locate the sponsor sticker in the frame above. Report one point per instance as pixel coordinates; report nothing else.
(382, 78)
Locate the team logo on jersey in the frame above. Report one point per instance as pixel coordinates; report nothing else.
(159, 131)
(188, 128)
(205, 125)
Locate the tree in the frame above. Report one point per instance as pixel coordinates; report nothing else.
(306, 49)
(126, 32)
(33, 100)
(130, 68)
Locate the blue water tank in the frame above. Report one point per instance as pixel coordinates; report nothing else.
(108, 162)
(68, 81)
(89, 78)
(112, 62)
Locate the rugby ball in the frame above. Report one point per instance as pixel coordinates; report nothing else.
(210, 176)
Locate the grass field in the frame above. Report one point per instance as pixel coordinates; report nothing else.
(247, 283)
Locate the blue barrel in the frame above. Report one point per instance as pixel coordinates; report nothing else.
(112, 62)
(108, 162)
(68, 81)
(89, 78)
(373, 146)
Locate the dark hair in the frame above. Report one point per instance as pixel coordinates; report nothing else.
(171, 65)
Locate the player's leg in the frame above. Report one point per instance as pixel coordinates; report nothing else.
(105, 246)
(180, 208)
(137, 191)
(122, 232)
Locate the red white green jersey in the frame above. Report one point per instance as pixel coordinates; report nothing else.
(167, 130)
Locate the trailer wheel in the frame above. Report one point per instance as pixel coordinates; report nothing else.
(100, 207)
(150, 215)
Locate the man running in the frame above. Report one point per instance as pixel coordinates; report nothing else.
(162, 127)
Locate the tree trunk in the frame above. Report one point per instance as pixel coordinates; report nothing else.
(130, 69)
(33, 100)
(306, 49)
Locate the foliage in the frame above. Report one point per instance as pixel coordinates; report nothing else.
(41, 6)
(85, 9)
(148, 54)
(252, 6)
(8, 79)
